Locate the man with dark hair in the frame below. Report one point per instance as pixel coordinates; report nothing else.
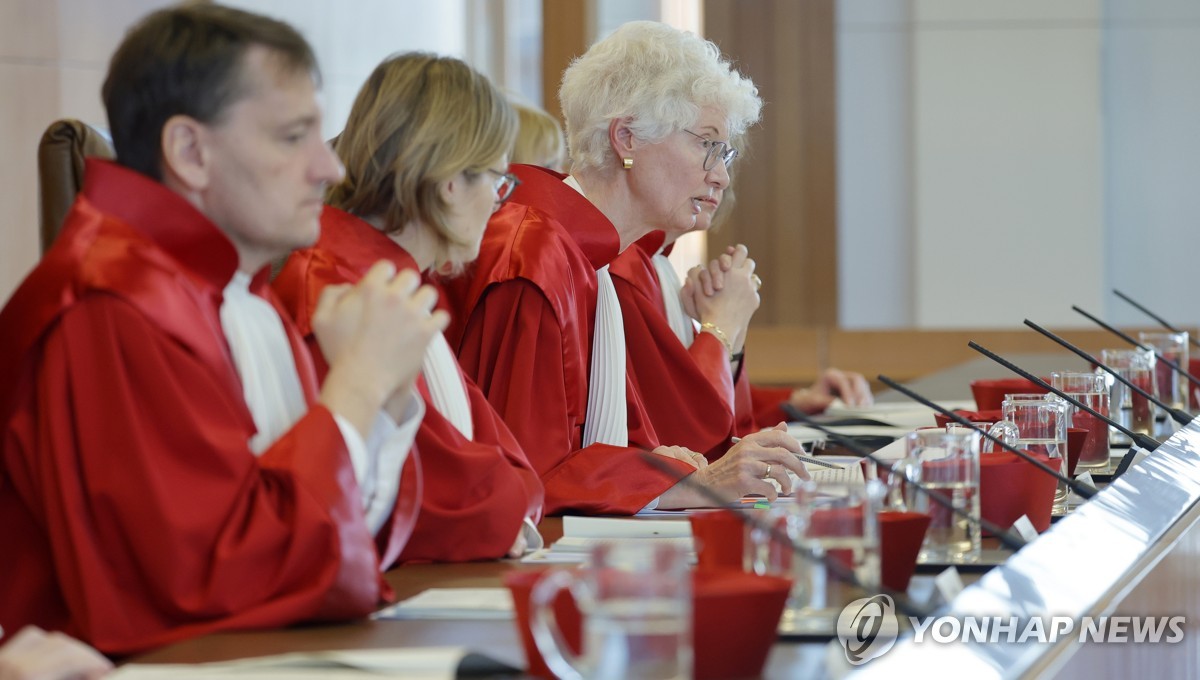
(168, 467)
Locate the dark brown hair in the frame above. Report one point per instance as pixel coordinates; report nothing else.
(187, 60)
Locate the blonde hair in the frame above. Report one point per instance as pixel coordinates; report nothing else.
(419, 120)
(656, 76)
(539, 138)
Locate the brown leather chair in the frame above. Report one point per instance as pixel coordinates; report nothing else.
(61, 152)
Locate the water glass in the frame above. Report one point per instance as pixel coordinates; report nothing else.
(835, 523)
(1042, 428)
(1134, 411)
(635, 602)
(1092, 390)
(945, 463)
(1173, 347)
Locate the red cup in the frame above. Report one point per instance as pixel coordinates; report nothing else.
(734, 619)
(1010, 487)
(521, 582)
(1076, 438)
(900, 538)
(1193, 391)
(720, 538)
(990, 393)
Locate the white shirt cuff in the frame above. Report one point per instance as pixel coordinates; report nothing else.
(652, 505)
(378, 461)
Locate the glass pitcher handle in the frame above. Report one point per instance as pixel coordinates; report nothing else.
(547, 634)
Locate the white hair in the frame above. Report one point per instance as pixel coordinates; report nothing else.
(658, 77)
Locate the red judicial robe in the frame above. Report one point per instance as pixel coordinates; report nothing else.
(522, 328)
(688, 391)
(132, 511)
(475, 493)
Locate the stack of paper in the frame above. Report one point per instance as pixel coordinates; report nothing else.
(477, 604)
(581, 534)
(426, 663)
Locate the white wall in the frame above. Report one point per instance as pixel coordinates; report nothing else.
(971, 155)
(1152, 130)
(54, 54)
(1064, 135)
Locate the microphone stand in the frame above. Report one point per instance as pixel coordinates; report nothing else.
(1156, 317)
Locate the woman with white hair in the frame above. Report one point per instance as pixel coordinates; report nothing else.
(537, 322)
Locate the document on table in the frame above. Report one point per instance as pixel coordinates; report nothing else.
(580, 534)
(418, 663)
(474, 604)
(909, 415)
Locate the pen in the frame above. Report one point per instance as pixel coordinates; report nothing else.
(804, 458)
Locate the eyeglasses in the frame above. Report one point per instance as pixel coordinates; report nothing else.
(716, 150)
(506, 183)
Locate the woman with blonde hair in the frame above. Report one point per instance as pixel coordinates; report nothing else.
(538, 325)
(426, 153)
(539, 138)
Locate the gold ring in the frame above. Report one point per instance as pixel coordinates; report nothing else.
(756, 281)
(767, 474)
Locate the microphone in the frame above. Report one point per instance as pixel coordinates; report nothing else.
(1127, 338)
(822, 558)
(1178, 416)
(1009, 539)
(1154, 316)
(1140, 441)
(1083, 490)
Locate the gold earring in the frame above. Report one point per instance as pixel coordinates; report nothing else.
(627, 163)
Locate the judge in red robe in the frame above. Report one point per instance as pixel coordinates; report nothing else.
(138, 502)
(537, 323)
(126, 466)
(477, 491)
(422, 180)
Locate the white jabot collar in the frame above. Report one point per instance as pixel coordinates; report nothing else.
(681, 324)
(446, 388)
(263, 357)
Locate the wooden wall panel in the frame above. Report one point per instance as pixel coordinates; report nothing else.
(786, 208)
(567, 30)
(792, 355)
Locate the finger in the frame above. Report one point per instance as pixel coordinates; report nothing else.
(779, 474)
(861, 390)
(380, 273)
(706, 283)
(406, 282)
(725, 262)
(700, 461)
(330, 297)
(425, 298)
(739, 253)
(766, 439)
(718, 275)
(762, 487)
(439, 320)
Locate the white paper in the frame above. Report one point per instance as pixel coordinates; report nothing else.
(453, 603)
(618, 527)
(424, 663)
